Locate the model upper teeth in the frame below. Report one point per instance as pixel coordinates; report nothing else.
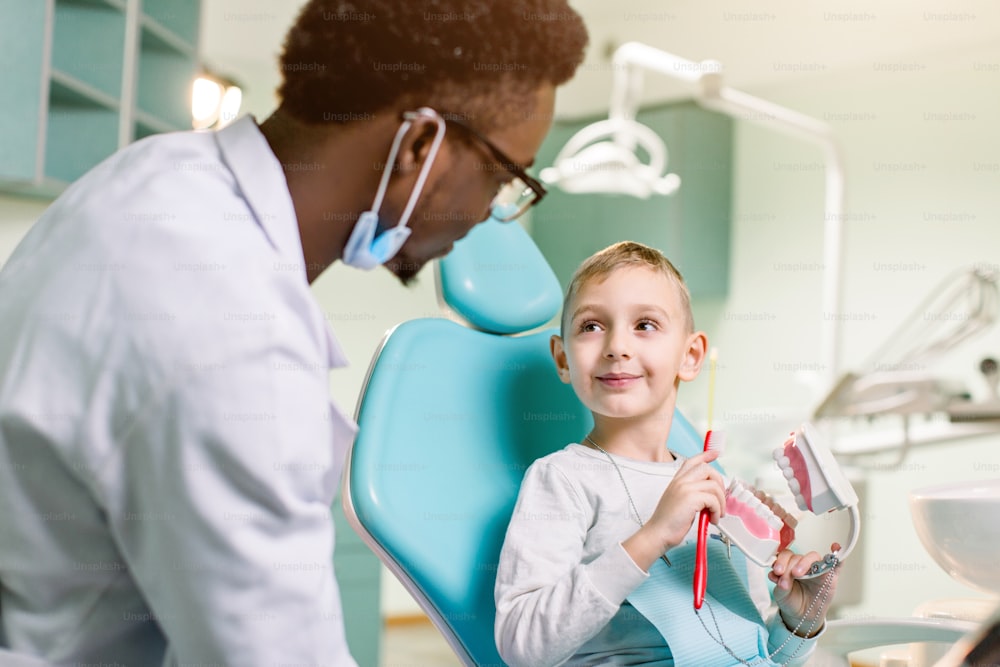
(785, 464)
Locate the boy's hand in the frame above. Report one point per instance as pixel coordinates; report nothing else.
(695, 487)
(795, 595)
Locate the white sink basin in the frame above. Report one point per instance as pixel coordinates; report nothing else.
(959, 525)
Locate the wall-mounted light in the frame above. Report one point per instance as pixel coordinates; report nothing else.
(215, 102)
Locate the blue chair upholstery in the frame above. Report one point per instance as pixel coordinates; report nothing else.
(497, 280)
(450, 417)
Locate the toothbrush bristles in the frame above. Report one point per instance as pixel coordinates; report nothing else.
(716, 442)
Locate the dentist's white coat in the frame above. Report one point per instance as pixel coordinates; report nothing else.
(168, 451)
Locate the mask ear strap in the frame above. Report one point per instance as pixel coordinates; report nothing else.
(389, 162)
(428, 163)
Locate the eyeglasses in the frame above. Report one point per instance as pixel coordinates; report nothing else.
(515, 197)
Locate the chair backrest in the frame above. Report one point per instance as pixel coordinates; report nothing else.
(450, 418)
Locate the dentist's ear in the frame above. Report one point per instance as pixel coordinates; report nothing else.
(425, 125)
(558, 351)
(694, 356)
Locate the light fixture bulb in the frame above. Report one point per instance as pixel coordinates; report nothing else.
(206, 97)
(229, 108)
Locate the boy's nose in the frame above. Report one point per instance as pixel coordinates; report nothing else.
(616, 345)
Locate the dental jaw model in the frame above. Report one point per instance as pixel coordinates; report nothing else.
(813, 474)
(760, 528)
(755, 524)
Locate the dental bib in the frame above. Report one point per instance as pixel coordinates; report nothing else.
(665, 600)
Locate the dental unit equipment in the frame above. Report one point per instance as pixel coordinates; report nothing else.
(961, 307)
(601, 157)
(760, 528)
(894, 380)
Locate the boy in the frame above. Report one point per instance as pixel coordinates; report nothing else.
(594, 520)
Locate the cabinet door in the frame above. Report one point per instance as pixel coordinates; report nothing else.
(691, 227)
(167, 66)
(24, 91)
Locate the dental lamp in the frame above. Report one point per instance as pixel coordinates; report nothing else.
(602, 157)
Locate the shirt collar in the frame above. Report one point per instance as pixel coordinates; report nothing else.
(262, 185)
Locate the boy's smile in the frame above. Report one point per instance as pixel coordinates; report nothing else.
(618, 380)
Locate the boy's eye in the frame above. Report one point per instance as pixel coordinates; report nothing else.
(646, 325)
(589, 326)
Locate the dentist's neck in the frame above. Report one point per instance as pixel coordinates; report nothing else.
(332, 172)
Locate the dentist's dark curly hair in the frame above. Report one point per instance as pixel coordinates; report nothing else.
(345, 60)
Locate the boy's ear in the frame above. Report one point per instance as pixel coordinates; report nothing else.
(694, 356)
(559, 356)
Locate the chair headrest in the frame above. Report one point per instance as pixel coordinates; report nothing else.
(498, 281)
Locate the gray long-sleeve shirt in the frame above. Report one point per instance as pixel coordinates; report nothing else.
(563, 575)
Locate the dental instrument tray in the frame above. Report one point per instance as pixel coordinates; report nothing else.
(759, 527)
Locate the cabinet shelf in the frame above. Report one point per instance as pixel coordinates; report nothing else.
(177, 19)
(112, 4)
(164, 87)
(157, 37)
(167, 68)
(67, 90)
(147, 124)
(88, 41)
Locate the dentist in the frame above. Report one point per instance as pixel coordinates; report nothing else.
(168, 450)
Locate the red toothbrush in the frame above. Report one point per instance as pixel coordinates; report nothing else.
(701, 552)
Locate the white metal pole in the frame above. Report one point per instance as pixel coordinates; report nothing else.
(707, 76)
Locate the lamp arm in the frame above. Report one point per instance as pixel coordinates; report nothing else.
(628, 61)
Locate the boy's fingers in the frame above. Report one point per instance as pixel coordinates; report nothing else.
(804, 562)
(701, 457)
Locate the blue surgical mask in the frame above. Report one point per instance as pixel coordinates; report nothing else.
(367, 248)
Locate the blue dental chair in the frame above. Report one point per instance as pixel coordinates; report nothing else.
(452, 414)
(450, 417)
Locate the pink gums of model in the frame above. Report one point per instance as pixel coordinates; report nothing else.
(755, 524)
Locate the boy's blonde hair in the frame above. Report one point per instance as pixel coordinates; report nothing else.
(626, 253)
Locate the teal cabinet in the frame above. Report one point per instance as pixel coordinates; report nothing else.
(84, 78)
(167, 37)
(359, 576)
(691, 227)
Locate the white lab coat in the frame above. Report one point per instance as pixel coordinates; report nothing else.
(168, 450)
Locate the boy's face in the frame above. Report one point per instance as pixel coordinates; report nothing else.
(626, 345)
